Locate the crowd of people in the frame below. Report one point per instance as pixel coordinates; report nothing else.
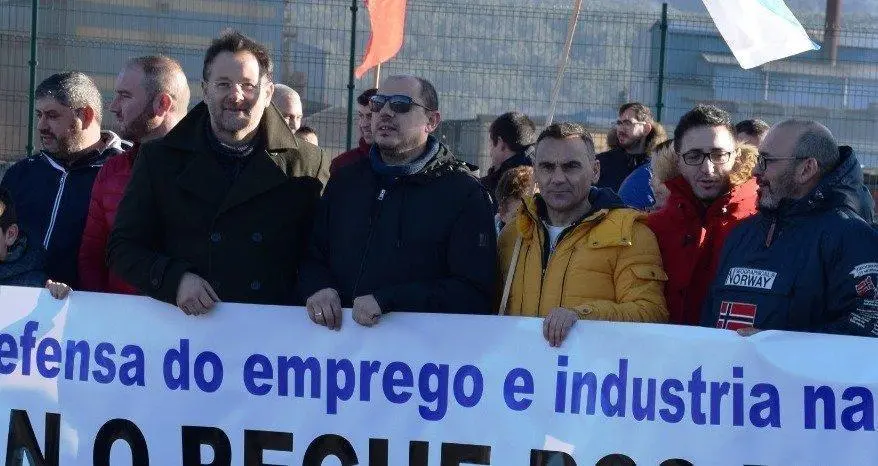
(743, 227)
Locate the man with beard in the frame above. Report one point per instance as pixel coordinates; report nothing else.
(712, 195)
(51, 189)
(151, 96)
(220, 207)
(637, 135)
(408, 229)
(807, 261)
(364, 124)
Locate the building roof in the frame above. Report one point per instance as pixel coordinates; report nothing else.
(842, 69)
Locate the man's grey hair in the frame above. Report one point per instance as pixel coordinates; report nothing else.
(163, 74)
(815, 141)
(282, 90)
(74, 90)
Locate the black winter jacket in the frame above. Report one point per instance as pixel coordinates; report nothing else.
(423, 242)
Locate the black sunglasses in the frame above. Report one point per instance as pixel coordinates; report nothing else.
(398, 103)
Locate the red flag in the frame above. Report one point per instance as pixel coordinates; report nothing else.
(387, 18)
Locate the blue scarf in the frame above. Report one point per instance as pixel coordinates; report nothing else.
(415, 166)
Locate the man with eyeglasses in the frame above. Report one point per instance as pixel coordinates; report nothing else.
(634, 136)
(714, 192)
(364, 124)
(220, 207)
(409, 228)
(807, 261)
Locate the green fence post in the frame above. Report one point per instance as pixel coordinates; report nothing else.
(33, 77)
(660, 104)
(354, 9)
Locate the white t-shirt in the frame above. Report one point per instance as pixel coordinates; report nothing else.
(554, 233)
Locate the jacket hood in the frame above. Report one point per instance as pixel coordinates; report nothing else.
(603, 201)
(842, 188)
(111, 144)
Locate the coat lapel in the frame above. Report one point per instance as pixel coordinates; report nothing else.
(260, 175)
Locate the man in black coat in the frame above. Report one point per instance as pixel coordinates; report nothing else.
(409, 228)
(220, 208)
(634, 136)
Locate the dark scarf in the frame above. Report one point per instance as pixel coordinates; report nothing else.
(232, 159)
(415, 166)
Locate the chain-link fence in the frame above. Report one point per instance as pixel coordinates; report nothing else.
(484, 57)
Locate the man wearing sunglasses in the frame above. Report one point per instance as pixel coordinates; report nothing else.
(807, 261)
(634, 136)
(713, 193)
(409, 228)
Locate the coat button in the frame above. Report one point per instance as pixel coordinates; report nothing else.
(257, 237)
(155, 282)
(216, 237)
(255, 285)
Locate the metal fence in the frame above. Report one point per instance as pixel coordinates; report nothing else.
(484, 57)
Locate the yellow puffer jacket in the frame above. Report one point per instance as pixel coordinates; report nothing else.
(606, 267)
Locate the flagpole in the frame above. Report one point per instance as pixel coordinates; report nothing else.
(562, 66)
(350, 129)
(377, 75)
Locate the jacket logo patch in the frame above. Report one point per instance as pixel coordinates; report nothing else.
(733, 316)
(869, 268)
(751, 278)
(866, 288)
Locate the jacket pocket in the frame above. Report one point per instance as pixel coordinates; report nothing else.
(649, 272)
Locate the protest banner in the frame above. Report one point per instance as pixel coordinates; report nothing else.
(105, 379)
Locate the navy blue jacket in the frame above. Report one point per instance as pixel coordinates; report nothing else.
(810, 265)
(23, 265)
(51, 200)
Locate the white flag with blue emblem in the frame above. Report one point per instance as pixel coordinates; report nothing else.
(759, 31)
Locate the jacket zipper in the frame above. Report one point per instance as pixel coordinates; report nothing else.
(57, 204)
(376, 214)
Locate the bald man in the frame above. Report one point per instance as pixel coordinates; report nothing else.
(287, 100)
(808, 261)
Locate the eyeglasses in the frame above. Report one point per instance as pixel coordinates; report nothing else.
(717, 157)
(763, 159)
(225, 87)
(628, 124)
(398, 103)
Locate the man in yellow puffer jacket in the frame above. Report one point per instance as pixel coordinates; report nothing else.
(577, 252)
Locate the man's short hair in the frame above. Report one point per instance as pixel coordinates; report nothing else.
(566, 130)
(515, 129)
(72, 89)
(305, 129)
(7, 210)
(428, 94)
(234, 42)
(815, 141)
(702, 115)
(754, 127)
(516, 183)
(163, 74)
(641, 112)
(363, 99)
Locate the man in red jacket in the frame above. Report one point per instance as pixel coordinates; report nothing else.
(151, 96)
(714, 192)
(364, 123)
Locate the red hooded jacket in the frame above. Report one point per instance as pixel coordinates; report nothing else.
(106, 194)
(691, 239)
